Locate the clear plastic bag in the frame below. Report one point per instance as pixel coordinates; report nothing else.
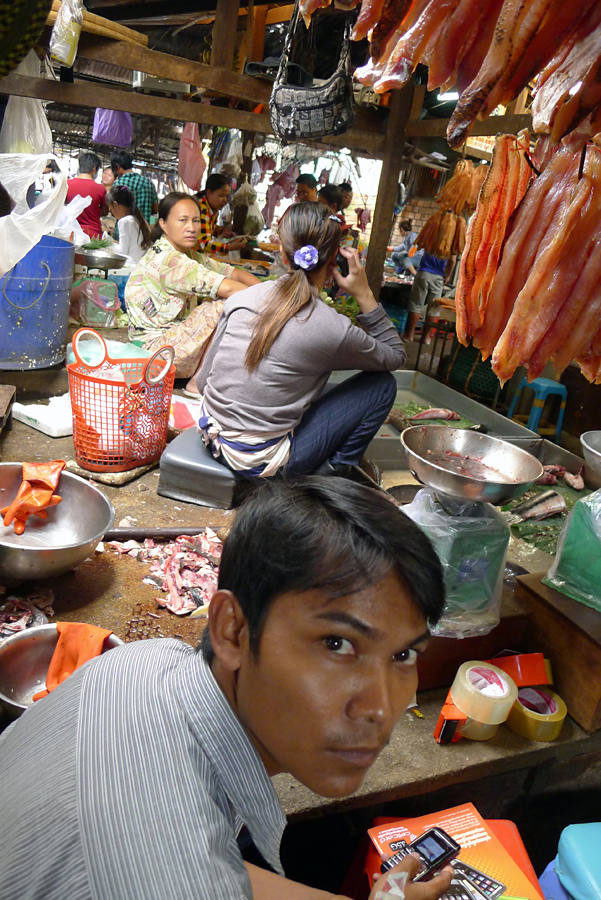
(23, 228)
(25, 128)
(94, 301)
(192, 164)
(577, 567)
(66, 31)
(67, 227)
(472, 546)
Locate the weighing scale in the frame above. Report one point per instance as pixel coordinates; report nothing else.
(466, 474)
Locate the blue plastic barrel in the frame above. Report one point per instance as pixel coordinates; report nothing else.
(34, 306)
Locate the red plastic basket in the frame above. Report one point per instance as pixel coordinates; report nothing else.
(120, 421)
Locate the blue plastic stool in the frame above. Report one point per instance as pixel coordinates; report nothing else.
(543, 388)
(575, 873)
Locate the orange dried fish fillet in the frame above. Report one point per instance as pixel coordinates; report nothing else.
(474, 57)
(371, 10)
(516, 26)
(564, 338)
(562, 19)
(456, 39)
(392, 17)
(409, 49)
(480, 173)
(580, 104)
(523, 331)
(590, 368)
(536, 215)
(465, 297)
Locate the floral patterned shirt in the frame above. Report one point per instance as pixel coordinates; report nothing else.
(166, 285)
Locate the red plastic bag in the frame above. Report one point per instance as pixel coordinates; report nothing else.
(192, 163)
(111, 126)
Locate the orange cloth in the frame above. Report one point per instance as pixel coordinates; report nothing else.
(77, 643)
(35, 495)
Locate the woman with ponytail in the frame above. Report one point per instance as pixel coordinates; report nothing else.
(134, 231)
(264, 408)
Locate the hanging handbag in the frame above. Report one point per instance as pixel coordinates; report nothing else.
(309, 113)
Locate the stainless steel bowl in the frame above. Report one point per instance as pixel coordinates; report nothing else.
(24, 661)
(52, 546)
(468, 466)
(99, 259)
(591, 447)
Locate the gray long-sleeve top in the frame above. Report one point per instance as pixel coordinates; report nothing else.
(273, 398)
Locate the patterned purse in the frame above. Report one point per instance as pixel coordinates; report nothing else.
(307, 113)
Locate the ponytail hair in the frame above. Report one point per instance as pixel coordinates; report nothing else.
(122, 195)
(302, 225)
(165, 207)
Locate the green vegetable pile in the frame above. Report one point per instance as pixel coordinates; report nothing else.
(345, 305)
(97, 243)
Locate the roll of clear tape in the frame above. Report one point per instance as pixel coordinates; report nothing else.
(538, 714)
(476, 731)
(483, 693)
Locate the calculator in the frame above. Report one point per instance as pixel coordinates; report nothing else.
(489, 888)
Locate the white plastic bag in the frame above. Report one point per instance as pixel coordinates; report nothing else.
(25, 128)
(23, 228)
(67, 227)
(66, 31)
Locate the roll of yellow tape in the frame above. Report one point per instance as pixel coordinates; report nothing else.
(483, 692)
(537, 714)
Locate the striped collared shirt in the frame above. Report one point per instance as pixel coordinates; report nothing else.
(130, 782)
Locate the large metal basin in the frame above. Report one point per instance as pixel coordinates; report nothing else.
(467, 465)
(24, 661)
(591, 447)
(53, 546)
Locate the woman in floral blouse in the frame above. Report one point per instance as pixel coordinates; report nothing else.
(174, 295)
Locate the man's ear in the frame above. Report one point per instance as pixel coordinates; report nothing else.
(229, 629)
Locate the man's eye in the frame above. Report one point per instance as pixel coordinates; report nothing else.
(407, 657)
(339, 645)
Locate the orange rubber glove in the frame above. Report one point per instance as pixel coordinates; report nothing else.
(35, 495)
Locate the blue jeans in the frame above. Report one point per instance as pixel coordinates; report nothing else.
(340, 424)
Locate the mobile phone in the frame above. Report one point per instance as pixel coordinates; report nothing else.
(342, 263)
(461, 889)
(489, 887)
(435, 849)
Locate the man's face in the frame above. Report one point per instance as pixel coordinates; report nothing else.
(331, 679)
(347, 199)
(304, 192)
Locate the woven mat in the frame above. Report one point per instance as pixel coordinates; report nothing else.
(115, 479)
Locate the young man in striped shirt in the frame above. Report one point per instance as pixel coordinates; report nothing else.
(153, 756)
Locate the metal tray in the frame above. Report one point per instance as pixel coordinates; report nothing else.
(99, 259)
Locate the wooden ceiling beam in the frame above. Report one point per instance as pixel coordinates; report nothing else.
(491, 126)
(93, 95)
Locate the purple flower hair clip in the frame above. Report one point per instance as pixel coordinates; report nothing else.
(307, 257)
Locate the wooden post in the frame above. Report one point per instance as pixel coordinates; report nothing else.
(224, 33)
(394, 146)
(258, 34)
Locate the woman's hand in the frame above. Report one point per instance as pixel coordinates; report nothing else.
(355, 282)
(237, 244)
(420, 890)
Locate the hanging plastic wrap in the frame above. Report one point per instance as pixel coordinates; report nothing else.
(23, 228)
(247, 196)
(471, 543)
(66, 31)
(192, 164)
(577, 567)
(25, 128)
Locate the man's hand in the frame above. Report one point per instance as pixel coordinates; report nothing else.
(237, 244)
(355, 282)
(420, 890)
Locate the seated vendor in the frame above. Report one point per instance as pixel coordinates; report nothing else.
(170, 280)
(211, 201)
(263, 378)
(402, 256)
(154, 755)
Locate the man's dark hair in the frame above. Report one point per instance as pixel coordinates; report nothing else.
(345, 186)
(7, 204)
(332, 194)
(309, 180)
(121, 158)
(88, 161)
(322, 533)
